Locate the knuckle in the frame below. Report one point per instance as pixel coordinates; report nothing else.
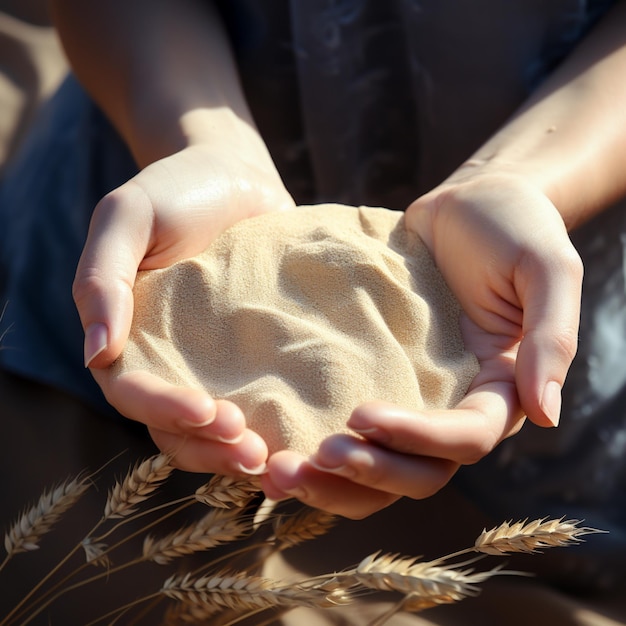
(481, 445)
(87, 282)
(566, 343)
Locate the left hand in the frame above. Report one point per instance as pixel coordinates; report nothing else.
(505, 253)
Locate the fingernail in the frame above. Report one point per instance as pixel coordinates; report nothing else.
(96, 340)
(372, 433)
(340, 470)
(229, 440)
(253, 471)
(551, 401)
(201, 423)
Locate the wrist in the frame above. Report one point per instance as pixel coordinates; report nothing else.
(497, 169)
(177, 130)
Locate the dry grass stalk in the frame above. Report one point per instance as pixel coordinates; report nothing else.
(531, 537)
(140, 483)
(185, 613)
(241, 592)
(36, 521)
(227, 492)
(411, 603)
(420, 584)
(428, 580)
(306, 525)
(95, 552)
(216, 527)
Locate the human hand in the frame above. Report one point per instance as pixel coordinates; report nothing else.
(171, 210)
(503, 249)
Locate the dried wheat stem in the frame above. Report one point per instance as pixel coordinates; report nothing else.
(178, 612)
(36, 521)
(427, 579)
(531, 537)
(226, 492)
(242, 592)
(150, 604)
(140, 483)
(276, 613)
(121, 610)
(216, 527)
(306, 525)
(187, 501)
(410, 603)
(58, 589)
(50, 598)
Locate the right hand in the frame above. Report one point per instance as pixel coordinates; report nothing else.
(173, 209)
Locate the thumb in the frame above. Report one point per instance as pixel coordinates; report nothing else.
(116, 243)
(551, 305)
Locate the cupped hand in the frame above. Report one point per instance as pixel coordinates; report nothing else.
(171, 210)
(504, 251)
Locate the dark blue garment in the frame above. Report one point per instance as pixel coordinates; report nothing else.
(367, 102)
(69, 161)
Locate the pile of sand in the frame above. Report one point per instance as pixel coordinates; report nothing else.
(300, 316)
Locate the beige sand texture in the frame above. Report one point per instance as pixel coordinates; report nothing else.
(300, 316)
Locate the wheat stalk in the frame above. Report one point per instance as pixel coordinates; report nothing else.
(188, 613)
(392, 572)
(140, 483)
(216, 527)
(38, 520)
(228, 491)
(306, 525)
(422, 584)
(424, 579)
(242, 592)
(531, 537)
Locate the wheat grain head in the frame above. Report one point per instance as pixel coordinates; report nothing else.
(216, 527)
(36, 521)
(138, 485)
(531, 537)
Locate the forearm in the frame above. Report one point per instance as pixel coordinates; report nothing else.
(570, 137)
(162, 71)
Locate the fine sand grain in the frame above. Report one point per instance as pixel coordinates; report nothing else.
(300, 316)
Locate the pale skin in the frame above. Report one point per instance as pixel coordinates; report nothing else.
(497, 228)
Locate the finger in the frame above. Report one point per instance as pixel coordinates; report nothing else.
(118, 238)
(379, 468)
(551, 301)
(463, 435)
(196, 454)
(290, 475)
(146, 398)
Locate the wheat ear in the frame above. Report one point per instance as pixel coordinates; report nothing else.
(531, 537)
(241, 592)
(216, 527)
(38, 520)
(138, 485)
(227, 492)
(431, 580)
(304, 526)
